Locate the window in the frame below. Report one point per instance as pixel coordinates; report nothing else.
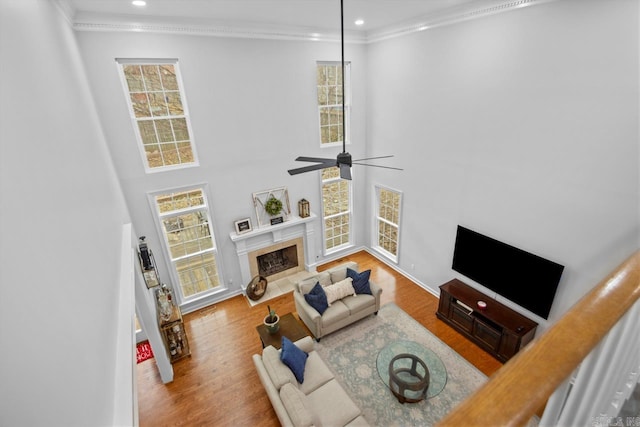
(186, 226)
(387, 222)
(336, 210)
(329, 81)
(159, 113)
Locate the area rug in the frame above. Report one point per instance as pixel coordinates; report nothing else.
(351, 354)
(143, 351)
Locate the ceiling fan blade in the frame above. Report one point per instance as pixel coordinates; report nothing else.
(311, 168)
(373, 158)
(378, 166)
(314, 159)
(345, 171)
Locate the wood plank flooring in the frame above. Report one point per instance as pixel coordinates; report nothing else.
(218, 384)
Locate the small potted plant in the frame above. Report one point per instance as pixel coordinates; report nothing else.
(271, 321)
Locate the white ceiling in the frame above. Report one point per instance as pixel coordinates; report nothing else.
(293, 16)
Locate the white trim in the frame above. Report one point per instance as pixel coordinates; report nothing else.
(433, 291)
(374, 229)
(125, 407)
(263, 237)
(450, 18)
(157, 218)
(118, 23)
(347, 104)
(121, 62)
(325, 250)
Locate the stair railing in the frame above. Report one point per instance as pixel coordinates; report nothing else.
(564, 359)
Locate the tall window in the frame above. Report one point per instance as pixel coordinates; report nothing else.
(159, 113)
(387, 222)
(329, 80)
(336, 210)
(186, 225)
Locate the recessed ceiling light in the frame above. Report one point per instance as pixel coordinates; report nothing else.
(359, 22)
(139, 3)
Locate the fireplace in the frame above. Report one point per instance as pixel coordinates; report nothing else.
(278, 260)
(296, 231)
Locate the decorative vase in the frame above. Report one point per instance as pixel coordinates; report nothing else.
(274, 325)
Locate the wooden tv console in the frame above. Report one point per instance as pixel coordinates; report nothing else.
(498, 329)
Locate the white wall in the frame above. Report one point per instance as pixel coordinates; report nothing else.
(526, 126)
(522, 126)
(252, 106)
(60, 230)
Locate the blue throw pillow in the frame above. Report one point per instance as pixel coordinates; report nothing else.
(317, 299)
(294, 358)
(360, 281)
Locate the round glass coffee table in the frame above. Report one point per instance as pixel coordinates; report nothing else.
(437, 371)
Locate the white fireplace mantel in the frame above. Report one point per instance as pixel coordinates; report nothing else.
(261, 237)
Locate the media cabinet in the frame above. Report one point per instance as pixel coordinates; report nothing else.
(496, 328)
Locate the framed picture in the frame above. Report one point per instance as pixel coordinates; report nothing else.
(151, 278)
(243, 226)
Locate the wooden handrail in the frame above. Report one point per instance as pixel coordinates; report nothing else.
(523, 385)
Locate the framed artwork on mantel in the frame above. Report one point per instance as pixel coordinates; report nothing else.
(272, 206)
(243, 226)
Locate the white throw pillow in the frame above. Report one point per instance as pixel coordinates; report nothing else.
(339, 290)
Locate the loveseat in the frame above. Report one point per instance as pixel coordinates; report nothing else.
(343, 311)
(318, 401)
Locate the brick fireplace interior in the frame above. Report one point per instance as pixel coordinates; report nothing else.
(279, 260)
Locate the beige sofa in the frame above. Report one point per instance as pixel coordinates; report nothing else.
(342, 312)
(318, 401)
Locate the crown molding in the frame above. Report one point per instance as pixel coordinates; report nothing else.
(449, 18)
(127, 23)
(185, 26)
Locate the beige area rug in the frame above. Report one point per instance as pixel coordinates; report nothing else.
(351, 353)
(280, 287)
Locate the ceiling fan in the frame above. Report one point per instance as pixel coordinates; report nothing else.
(343, 160)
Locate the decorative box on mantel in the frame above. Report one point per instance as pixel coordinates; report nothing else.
(274, 235)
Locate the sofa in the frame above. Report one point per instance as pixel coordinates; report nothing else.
(318, 401)
(339, 313)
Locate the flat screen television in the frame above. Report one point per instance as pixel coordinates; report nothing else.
(522, 277)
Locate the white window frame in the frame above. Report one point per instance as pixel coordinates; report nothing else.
(347, 103)
(377, 219)
(134, 120)
(173, 272)
(348, 244)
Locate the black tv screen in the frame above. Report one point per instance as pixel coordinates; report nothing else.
(522, 277)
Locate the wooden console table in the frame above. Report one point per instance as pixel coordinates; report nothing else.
(498, 329)
(174, 336)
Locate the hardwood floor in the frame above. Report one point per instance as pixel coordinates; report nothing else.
(218, 385)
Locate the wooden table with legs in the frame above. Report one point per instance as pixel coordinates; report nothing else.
(290, 327)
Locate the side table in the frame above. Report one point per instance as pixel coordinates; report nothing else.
(290, 327)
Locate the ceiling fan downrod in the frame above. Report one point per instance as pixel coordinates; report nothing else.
(343, 161)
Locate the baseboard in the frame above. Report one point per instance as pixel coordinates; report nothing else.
(213, 299)
(385, 261)
(395, 267)
(208, 301)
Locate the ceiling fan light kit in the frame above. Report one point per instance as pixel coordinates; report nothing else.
(343, 160)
